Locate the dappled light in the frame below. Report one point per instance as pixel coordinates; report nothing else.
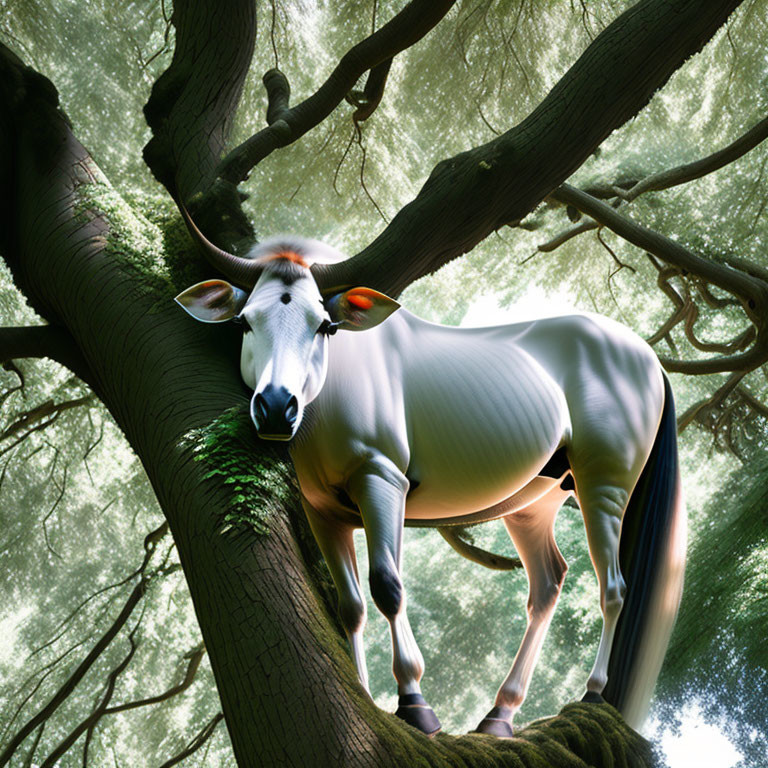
(484, 162)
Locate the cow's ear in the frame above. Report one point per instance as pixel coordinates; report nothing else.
(359, 309)
(212, 301)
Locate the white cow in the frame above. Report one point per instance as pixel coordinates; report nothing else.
(413, 423)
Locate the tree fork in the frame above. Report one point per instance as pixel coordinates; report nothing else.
(471, 195)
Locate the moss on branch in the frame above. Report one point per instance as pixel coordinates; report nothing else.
(259, 478)
(128, 235)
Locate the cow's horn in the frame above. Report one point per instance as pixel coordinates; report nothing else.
(243, 272)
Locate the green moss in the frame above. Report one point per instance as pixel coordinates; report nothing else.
(182, 258)
(130, 236)
(260, 480)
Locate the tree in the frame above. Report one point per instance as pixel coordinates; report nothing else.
(90, 267)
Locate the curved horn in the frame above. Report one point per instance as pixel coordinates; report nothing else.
(243, 272)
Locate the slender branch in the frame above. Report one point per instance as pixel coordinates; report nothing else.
(752, 401)
(72, 681)
(628, 190)
(44, 672)
(401, 32)
(150, 544)
(10, 366)
(151, 541)
(746, 287)
(715, 399)
(202, 736)
(44, 410)
(566, 235)
(195, 656)
(93, 718)
(35, 745)
(682, 174)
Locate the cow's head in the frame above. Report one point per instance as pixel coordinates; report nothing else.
(286, 323)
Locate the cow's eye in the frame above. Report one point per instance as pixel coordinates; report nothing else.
(327, 328)
(241, 321)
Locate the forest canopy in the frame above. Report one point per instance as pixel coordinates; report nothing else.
(114, 475)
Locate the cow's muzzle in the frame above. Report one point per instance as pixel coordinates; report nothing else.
(274, 411)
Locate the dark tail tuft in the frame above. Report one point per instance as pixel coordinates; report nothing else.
(652, 559)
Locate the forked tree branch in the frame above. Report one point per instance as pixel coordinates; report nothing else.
(194, 658)
(373, 53)
(714, 400)
(198, 741)
(72, 681)
(476, 192)
(750, 289)
(65, 690)
(630, 189)
(93, 718)
(50, 409)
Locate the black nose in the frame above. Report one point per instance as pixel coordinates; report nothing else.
(274, 411)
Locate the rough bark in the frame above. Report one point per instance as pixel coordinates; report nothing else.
(161, 377)
(193, 103)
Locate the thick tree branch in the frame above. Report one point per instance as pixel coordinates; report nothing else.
(192, 103)
(401, 32)
(471, 195)
(43, 341)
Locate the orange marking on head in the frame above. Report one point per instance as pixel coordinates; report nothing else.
(290, 256)
(360, 301)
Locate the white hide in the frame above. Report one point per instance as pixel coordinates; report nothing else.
(469, 417)
(413, 423)
(473, 414)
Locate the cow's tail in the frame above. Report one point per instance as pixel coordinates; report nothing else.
(652, 559)
(455, 534)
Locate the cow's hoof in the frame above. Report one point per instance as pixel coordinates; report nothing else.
(414, 710)
(591, 697)
(498, 723)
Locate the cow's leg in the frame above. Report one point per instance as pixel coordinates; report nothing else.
(335, 540)
(379, 489)
(603, 508)
(532, 531)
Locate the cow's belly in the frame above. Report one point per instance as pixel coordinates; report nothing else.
(480, 437)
